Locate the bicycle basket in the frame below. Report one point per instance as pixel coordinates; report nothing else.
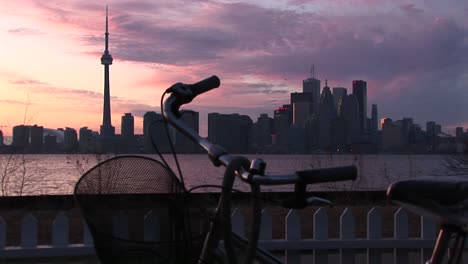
(116, 195)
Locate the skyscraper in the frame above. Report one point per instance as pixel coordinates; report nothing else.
(327, 113)
(312, 86)
(231, 131)
(127, 126)
(338, 94)
(360, 91)
(374, 123)
(301, 107)
(107, 130)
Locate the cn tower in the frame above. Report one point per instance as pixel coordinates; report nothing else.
(107, 130)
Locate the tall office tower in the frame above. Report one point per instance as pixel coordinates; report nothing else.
(301, 107)
(338, 94)
(312, 85)
(231, 131)
(37, 138)
(182, 143)
(70, 140)
(360, 91)
(107, 130)
(326, 114)
(430, 128)
(282, 119)
(154, 133)
(352, 117)
(127, 126)
(1, 138)
(374, 124)
(458, 132)
(262, 130)
(21, 137)
(438, 129)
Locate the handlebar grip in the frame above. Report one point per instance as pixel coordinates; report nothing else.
(328, 174)
(204, 85)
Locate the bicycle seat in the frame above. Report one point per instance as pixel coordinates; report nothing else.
(443, 197)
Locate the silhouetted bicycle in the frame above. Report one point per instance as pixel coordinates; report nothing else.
(190, 231)
(446, 200)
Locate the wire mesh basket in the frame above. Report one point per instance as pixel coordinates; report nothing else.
(138, 186)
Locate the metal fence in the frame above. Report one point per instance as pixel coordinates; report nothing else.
(373, 248)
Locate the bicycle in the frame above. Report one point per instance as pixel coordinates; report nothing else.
(220, 244)
(446, 200)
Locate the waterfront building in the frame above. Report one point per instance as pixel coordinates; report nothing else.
(262, 131)
(20, 137)
(231, 131)
(339, 140)
(282, 119)
(88, 140)
(155, 133)
(360, 91)
(352, 118)
(182, 143)
(50, 144)
(70, 140)
(127, 126)
(393, 138)
(37, 138)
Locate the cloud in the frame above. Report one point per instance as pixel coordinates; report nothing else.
(7, 101)
(26, 81)
(24, 31)
(411, 9)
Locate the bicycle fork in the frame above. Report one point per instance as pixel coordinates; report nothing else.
(449, 233)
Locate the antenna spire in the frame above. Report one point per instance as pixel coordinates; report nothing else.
(107, 31)
(312, 71)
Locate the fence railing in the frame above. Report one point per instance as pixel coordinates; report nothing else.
(346, 247)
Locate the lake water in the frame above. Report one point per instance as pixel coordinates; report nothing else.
(57, 174)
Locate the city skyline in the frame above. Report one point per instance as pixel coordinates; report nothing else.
(414, 73)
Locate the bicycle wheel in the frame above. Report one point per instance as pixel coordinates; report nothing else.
(132, 186)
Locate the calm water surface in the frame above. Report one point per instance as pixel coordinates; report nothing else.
(57, 174)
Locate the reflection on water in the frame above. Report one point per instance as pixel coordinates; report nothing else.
(57, 174)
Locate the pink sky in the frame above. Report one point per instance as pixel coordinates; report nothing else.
(414, 56)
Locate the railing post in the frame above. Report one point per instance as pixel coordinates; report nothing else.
(237, 220)
(60, 231)
(3, 227)
(266, 227)
(321, 233)
(428, 231)
(29, 231)
(87, 237)
(401, 232)
(151, 227)
(374, 231)
(293, 235)
(347, 232)
(120, 225)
